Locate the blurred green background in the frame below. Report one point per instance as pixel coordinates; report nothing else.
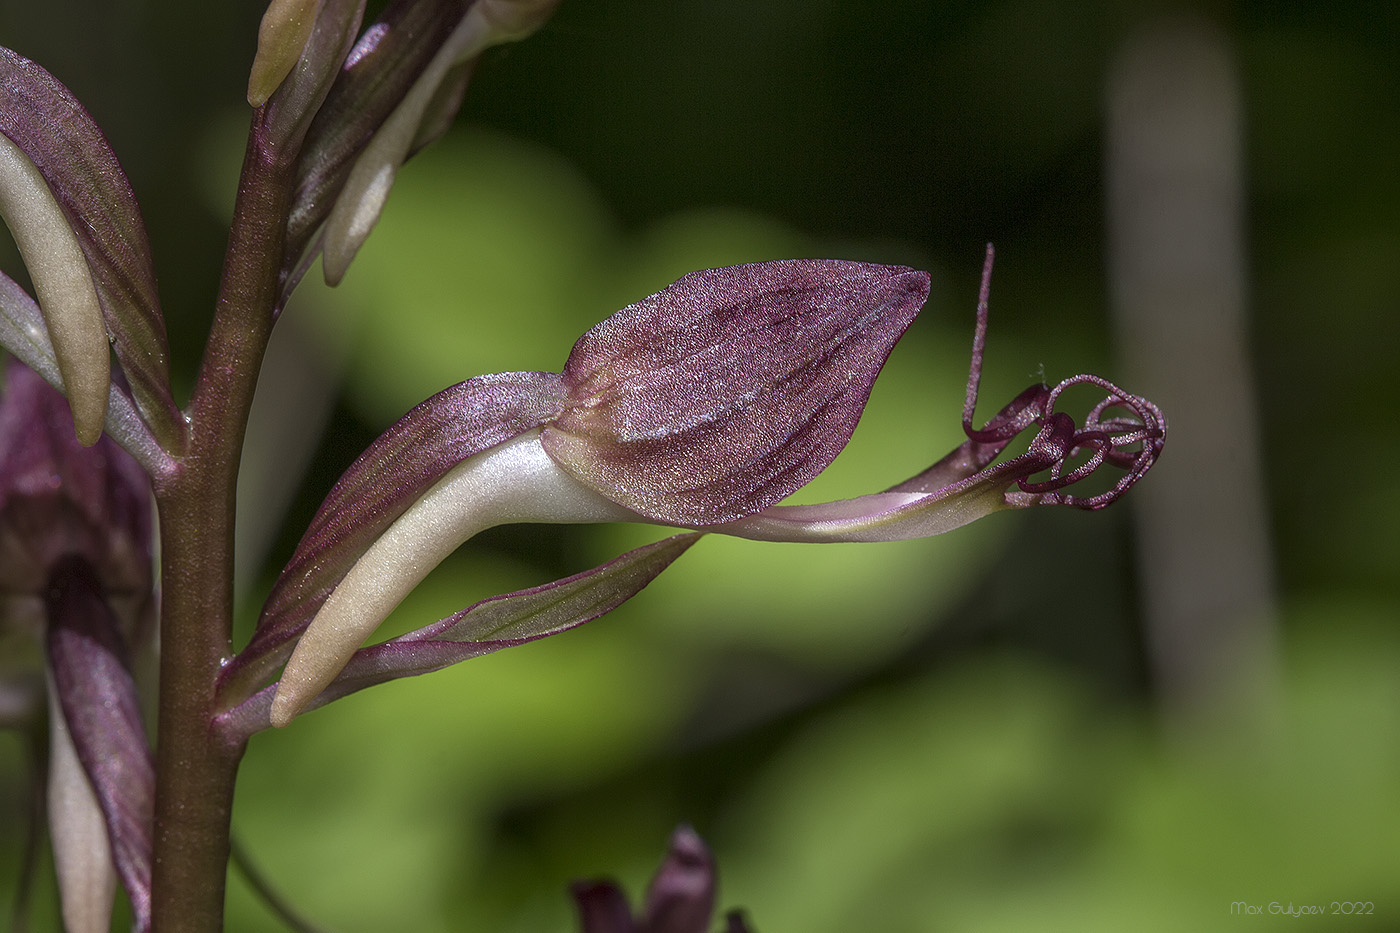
(976, 733)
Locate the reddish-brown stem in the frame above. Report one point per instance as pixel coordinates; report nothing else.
(195, 772)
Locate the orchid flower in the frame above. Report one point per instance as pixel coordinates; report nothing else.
(680, 898)
(700, 407)
(76, 539)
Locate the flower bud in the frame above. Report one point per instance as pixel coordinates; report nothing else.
(423, 111)
(282, 35)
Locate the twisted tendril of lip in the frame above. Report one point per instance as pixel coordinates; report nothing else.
(1131, 441)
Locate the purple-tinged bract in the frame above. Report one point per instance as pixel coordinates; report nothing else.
(43, 119)
(382, 483)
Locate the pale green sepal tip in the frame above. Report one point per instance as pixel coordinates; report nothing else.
(63, 286)
(513, 20)
(87, 878)
(282, 36)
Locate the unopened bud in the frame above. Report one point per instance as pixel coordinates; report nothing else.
(282, 36)
(361, 201)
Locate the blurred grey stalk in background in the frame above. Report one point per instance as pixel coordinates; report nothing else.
(1177, 259)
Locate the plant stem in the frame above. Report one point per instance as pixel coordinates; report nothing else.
(195, 771)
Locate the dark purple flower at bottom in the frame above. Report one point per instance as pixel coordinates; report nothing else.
(76, 579)
(680, 898)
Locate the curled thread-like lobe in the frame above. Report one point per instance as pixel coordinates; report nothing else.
(1131, 441)
(731, 388)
